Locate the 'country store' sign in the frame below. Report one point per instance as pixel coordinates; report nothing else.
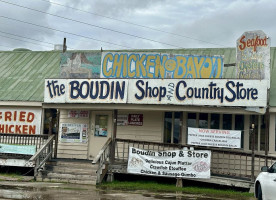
(221, 92)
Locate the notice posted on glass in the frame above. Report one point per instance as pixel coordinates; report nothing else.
(174, 163)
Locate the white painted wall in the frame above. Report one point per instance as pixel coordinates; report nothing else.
(152, 129)
(72, 150)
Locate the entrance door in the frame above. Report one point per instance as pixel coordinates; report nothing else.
(172, 127)
(101, 130)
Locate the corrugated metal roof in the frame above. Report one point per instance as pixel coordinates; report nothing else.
(23, 72)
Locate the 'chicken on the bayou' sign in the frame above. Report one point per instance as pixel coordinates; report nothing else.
(157, 65)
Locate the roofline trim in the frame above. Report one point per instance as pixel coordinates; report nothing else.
(21, 103)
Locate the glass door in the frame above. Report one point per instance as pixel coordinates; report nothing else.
(172, 127)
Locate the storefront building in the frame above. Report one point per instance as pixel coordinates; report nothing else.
(146, 95)
(24, 124)
(155, 95)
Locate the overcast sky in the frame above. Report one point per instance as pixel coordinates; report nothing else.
(132, 24)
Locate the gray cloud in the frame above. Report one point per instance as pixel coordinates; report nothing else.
(214, 21)
(22, 29)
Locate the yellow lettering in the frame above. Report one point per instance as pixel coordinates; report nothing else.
(191, 68)
(125, 66)
(198, 63)
(105, 62)
(170, 65)
(150, 63)
(181, 61)
(117, 65)
(134, 58)
(159, 68)
(139, 66)
(206, 69)
(218, 67)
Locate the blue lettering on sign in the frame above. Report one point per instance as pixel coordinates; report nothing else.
(147, 91)
(55, 89)
(97, 90)
(183, 92)
(181, 98)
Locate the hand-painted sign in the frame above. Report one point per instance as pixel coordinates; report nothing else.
(156, 65)
(214, 137)
(18, 149)
(135, 119)
(20, 121)
(174, 163)
(253, 56)
(85, 90)
(219, 92)
(80, 65)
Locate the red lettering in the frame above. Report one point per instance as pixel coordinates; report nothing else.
(14, 115)
(8, 116)
(22, 116)
(242, 47)
(2, 128)
(24, 129)
(254, 43)
(0, 115)
(18, 129)
(32, 129)
(10, 129)
(30, 117)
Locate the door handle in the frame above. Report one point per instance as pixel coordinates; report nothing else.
(274, 179)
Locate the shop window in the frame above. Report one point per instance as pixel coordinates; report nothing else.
(227, 122)
(50, 121)
(254, 120)
(262, 136)
(239, 125)
(177, 127)
(191, 122)
(203, 120)
(215, 121)
(172, 127)
(167, 127)
(101, 123)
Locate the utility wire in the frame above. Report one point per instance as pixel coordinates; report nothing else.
(25, 41)
(29, 38)
(93, 25)
(78, 35)
(134, 24)
(39, 30)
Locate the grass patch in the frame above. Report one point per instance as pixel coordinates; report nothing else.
(11, 175)
(162, 187)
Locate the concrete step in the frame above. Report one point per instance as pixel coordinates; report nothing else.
(84, 182)
(70, 170)
(74, 164)
(70, 176)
